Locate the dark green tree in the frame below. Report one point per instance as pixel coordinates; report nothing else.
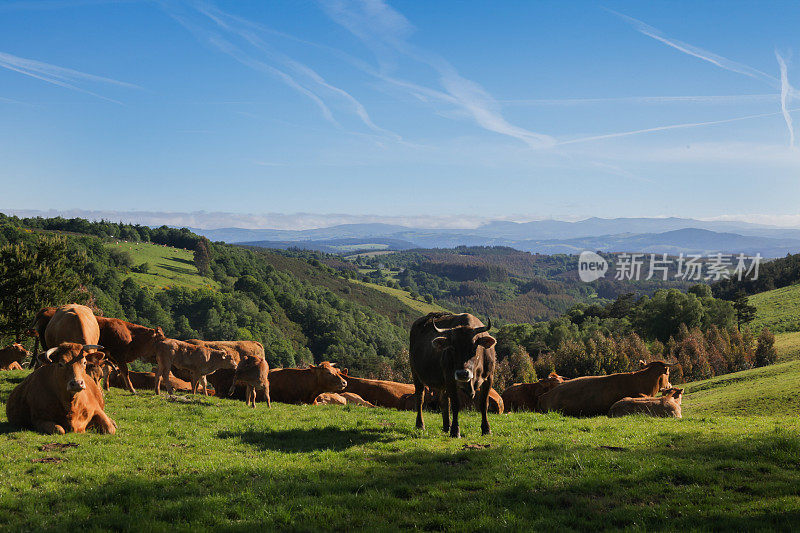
(202, 256)
(745, 312)
(36, 275)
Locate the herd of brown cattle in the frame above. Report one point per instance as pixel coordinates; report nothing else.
(452, 363)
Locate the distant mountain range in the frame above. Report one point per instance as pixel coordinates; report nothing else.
(649, 235)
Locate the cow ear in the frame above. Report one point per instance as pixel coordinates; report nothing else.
(678, 393)
(440, 343)
(344, 371)
(95, 358)
(642, 364)
(487, 341)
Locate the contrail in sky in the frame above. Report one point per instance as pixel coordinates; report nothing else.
(785, 89)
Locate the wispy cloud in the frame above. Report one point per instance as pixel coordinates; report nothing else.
(385, 31)
(670, 127)
(254, 52)
(785, 90)
(60, 76)
(705, 55)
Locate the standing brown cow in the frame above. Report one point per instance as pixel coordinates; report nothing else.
(451, 353)
(58, 396)
(72, 323)
(303, 385)
(594, 395)
(11, 357)
(125, 342)
(199, 360)
(525, 396)
(252, 372)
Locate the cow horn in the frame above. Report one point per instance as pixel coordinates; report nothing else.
(46, 355)
(484, 328)
(87, 347)
(438, 329)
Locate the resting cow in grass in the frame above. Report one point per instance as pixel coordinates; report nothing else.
(668, 405)
(344, 398)
(252, 372)
(525, 396)
(303, 385)
(199, 360)
(377, 391)
(58, 396)
(11, 357)
(451, 353)
(594, 395)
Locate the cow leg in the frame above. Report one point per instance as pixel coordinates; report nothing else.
(48, 427)
(455, 405)
(483, 401)
(445, 407)
(266, 393)
(123, 368)
(106, 376)
(204, 382)
(35, 352)
(102, 423)
(419, 394)
(163, 375)
(195, 382)
(251, 397)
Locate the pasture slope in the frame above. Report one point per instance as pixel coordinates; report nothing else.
(733, 462)
(169, 267)
(777, 309)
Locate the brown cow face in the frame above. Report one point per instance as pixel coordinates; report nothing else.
(222, 356)
(672, 392)
(463, 353)
(328, 377)
(70, 361)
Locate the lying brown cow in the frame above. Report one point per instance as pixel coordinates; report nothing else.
(58, 396)
(668, 405)
(11, 357)
(146, 381)
(525, 396)
(343, 398)
(594, 395)
(199, 360)
(377, 391)
(252, 372)
(303, 385)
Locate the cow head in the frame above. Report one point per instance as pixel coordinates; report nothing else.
(463, 348)
(69, 361)
(221, 357)
(673, 393)
(328, 377)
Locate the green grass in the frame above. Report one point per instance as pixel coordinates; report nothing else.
(420, 306)
(169, 267)
(788, 346)
(215, 464)
(777, 309)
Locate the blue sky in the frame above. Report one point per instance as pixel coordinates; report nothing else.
(465, 110)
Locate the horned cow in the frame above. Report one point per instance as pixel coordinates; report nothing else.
(58, 396)
(451, 353)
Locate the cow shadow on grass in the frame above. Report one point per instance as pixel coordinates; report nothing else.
(471, 489)
(6, 427)
(308, 440)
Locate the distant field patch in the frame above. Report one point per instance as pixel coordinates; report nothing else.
(787, 346)
(169, 267)
(423, 307)
(778, 309)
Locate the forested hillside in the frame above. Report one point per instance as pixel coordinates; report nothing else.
(501, 282)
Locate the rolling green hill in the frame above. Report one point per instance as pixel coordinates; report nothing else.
(778, 309)
(169, 267)
(423, 308)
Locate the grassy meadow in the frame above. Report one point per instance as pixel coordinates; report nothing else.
(169, 267)
(197, 463)
(777, 309)
(422, 307)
